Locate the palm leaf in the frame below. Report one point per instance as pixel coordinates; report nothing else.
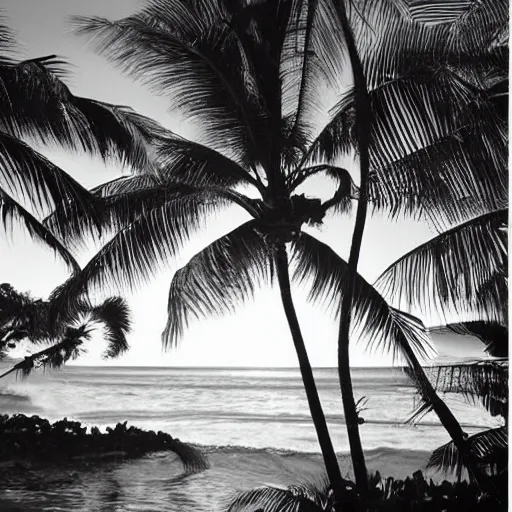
(458, 176)
(115, 212)
(484, 382)
(36, 103)
(218, 279)
(10, 211)
(375, 321)
(201, 61)
(466, 37)
(196, 164)
(7, 40)
(490, 448)
(30, 175)
(115, 315)
(447, 271)
(299, 498)
(137, 251)
(54, 356)
(124, 184)
(493, 335)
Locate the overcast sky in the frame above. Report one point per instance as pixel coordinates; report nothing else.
(258, 334)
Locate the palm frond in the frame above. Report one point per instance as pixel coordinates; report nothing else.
(447, 271)
(196, 164)
(374, 320)
(484, 381)
(11, 211)
(29, 175)
(449, 181)
(218, 279)
(337, 138)
(299, 498)
(125, 184)
(201, 62)
(489, 447)
(36, 103)
(493, 335)
(70, 347)
(468, 36)
(115, 316)
(7, 39)
(115, 212)
(137, 251)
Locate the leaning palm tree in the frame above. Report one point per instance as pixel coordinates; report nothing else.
(23, 317)
(461, 273)
(251, 75)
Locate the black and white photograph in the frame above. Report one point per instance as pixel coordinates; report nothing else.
(254, 255)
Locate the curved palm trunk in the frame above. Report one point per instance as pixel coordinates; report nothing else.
(315, 407)
(363, 129)
(446, 418)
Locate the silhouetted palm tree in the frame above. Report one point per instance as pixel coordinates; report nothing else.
(251, 75)
(429, 119)
(461, 272)
(240, 110)
(22, 317)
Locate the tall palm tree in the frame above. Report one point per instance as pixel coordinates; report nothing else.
(428, 108)
(23, 317)
(37, 106)
(147, 44)
(251, 75)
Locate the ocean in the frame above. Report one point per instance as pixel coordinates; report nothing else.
(253, 424)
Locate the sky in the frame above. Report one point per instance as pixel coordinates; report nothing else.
(258, 334)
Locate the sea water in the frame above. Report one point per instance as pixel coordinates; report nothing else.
(253, 425)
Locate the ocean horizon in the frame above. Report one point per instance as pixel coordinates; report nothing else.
(253, 424)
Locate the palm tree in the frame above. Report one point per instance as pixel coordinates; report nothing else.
(37, 106)
(22, 317)
(149, 43)
(251, 77)
(437, 95)
(461, 272)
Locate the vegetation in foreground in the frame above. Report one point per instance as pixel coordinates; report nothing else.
(385, 494)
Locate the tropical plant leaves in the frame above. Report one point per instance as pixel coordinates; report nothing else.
(195, 164)
(493, 335)
(375, 322)
(11, 211)
(298, 498)
(31, 176)
(218, 279)
(490, 448)
(202, 63)
(447, 272)
(36, 103)
(115, 212)
(137, 251)
(123, 184)
(484, 382)
(115, 316)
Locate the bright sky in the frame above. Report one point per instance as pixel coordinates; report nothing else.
(258, 334)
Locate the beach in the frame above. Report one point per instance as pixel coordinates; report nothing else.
(253, 425)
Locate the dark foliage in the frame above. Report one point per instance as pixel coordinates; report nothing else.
(414, 494)
(36, 439)
(61, 331)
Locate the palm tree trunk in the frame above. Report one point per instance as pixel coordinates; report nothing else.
(315, 407)
(446, 418)
(363, 129)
